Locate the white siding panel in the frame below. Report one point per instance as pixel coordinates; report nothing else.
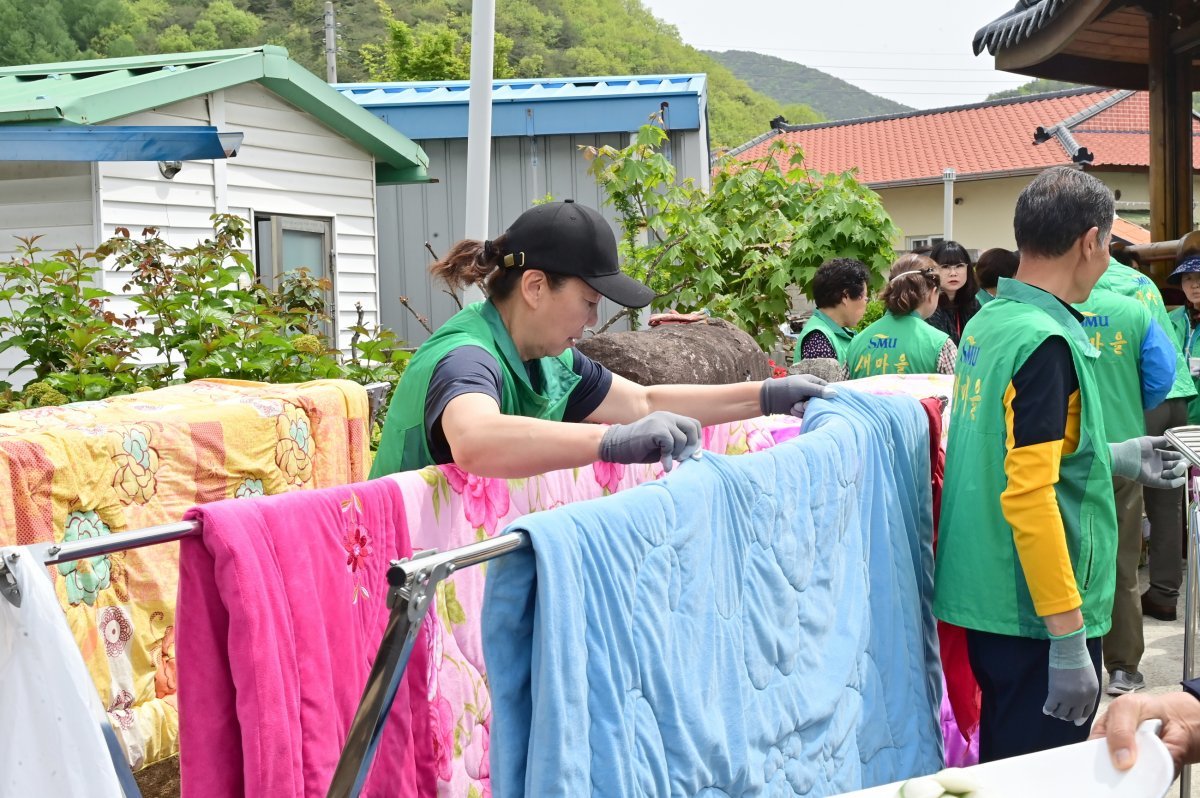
(357, 245)
(193, 110)
(324, 142)
(322, 191)
(290, 163)
(306, 163)
(53, 200)
(260, 123)
(356, 283)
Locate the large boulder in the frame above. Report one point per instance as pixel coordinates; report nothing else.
(710, 352)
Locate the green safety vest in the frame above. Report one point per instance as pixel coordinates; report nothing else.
(1184, 335)
(1116, 325)
(895, 345)
(839, 336)
(1129, 282)
(983, 297)
(979, 583)
(404, 446)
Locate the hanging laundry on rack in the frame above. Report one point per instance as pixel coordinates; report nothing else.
(282, 605)
(447, 508)
(52, 726)
(93, 469)
(748, 626)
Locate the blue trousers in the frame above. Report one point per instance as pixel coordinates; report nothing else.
(1012, 676)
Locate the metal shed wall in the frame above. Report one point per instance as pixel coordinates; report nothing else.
(523, 170)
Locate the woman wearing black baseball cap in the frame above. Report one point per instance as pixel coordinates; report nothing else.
(490, 388)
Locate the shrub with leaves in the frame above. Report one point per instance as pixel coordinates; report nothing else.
(198, 312)
(736, 249)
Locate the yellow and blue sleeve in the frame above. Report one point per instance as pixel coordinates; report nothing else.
(1041, 413)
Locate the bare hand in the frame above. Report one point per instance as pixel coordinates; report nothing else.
(1179, 713)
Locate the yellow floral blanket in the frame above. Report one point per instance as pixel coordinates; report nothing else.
(98, 468)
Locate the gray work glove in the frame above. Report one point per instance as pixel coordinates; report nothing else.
(783, 395)
(1074, 688)
(1149, 460)
(659, 437)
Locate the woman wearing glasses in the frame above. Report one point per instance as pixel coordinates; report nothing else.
(958, 303)
(901, 342)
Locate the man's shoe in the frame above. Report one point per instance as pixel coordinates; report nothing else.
(1162, 612)
(1122, 682)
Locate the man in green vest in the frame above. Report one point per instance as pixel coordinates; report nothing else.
(1164, 508)
(839, 290)
(1027, 547)
(1134, 372)
(489, 390)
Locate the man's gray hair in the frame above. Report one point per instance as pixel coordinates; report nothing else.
(1059, 206)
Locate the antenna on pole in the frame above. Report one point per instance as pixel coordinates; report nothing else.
(330, 44)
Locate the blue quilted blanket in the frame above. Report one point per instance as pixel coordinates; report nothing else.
(752, 625)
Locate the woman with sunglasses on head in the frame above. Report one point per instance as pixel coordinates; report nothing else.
(900, 342)
(958, 303)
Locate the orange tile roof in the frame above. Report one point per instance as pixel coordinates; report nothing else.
(976, 140)
(1128, 231)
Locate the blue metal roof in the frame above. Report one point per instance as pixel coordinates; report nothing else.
(553, 106)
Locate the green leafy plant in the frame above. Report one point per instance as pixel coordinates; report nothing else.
(764, 226)
(874, 313)
(199, 312)
(58, 316)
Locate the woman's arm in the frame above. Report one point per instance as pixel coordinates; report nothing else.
(488, 443)
(710, 404)
(947, 357)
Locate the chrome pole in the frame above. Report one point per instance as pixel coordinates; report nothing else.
(1192, 499)
(412, 584)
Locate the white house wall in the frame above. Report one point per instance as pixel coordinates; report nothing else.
(290, 163)
(53, 200)
(984, 217)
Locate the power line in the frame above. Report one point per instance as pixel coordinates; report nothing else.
(758, 48)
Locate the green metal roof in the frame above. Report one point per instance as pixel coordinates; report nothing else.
(95, 92)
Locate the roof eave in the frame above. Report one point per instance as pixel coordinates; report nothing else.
(156, 91)
(297, 85)
(937, 180)
(1037, 32)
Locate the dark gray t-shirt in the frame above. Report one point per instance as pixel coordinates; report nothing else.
(471, 369)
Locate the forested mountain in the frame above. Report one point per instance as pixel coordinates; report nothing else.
(788, 82)
(393, 40)
(1036, 86)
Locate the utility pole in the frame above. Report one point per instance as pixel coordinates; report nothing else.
(330, 44)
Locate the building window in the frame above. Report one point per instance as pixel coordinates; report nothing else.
(287, 243)
(923, 243)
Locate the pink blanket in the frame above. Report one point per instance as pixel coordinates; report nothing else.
(280, 613)
(447, 508)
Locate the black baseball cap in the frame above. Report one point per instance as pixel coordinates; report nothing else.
(572, 239)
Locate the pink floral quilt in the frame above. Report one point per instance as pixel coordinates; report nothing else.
(447, 508)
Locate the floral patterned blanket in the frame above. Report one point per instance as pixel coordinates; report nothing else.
(98, 468)
(446, 508)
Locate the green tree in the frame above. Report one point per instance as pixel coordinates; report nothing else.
(175, 40)
(237, 28)
(429, 51)
(1036, 86)
(34, 33)
(801, 114)
(765, 226)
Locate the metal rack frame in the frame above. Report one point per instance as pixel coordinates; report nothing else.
(1187, 441)
(411, 587)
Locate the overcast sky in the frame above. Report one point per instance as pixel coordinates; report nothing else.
(917, 52)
